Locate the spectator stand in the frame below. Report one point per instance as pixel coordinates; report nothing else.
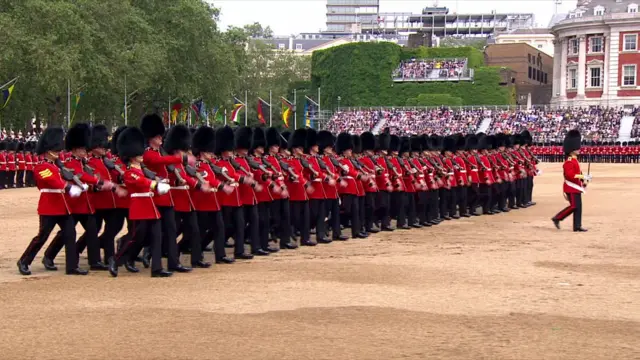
(422, 70)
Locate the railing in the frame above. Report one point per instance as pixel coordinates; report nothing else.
(469, 107)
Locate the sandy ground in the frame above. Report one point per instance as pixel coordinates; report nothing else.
(508, 286)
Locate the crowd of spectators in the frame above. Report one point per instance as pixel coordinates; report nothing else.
(422, 69)
(635, 131)
(546, 125)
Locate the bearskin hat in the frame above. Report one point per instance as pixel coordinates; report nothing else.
(224, 140)
(425, 142)
(204, 140)
(52, 139)
(368, 141)
(384, 141)
(152, 126)
(325, 140)
(436, 142)
(483, 142)
(258, 139)
(284, 139)
(3, 145)
(99, 137)
(460, 142)
(394, 143)
(624, 143)
(298, 139)
(311, 140)
(491, 141)
(416, 144)
(344, 142)
(27, 146)
(357, 144)
(509, 141)
(178, 138)
(527, 139)
(243, 136)
(571, 142)
(78, 136)
(130, 143)
(273, 137)
(405, 144)
(449, 143)
(12, 146)
(114, 139)
(20, 146)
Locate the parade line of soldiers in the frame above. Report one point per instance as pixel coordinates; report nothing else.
(17, 160)
(257, 186)
(625, 152)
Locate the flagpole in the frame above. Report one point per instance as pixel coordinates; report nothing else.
(68, 103)
(295, 111)
(10, 81)
(125, 100)
(270, 104)
(169, 113)
(318, 115)
(246, 110)
(225, 117)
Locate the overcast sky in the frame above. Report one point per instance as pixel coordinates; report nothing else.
(295, 16)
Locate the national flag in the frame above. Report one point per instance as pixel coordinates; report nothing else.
(287, 110)
(307, 115)
(197, 107)
(261, 103)
(237, 106)
(218, 114)
(6, 95)
(175, 110)
(76, 102)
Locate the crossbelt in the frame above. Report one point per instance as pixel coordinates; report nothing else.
(147, 194)
(52, 191)
(183, 187)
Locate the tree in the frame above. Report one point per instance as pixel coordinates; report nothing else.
(256, 30)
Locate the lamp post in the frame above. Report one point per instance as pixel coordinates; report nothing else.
(339, 98)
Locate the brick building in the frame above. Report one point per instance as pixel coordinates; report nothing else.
(532, 70)
(596, 53)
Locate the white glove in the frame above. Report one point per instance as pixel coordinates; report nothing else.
(75, 191)
(85, 187)
(588, 177)
(163, 188)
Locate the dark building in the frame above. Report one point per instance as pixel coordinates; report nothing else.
(532, 70)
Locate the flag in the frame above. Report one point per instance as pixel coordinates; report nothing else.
(76, 102)
(217, 114)
(237, 106)
(261, 103)
(6, 95)
(175, 110)
(287, 110)
(307, 115)
(197, 108)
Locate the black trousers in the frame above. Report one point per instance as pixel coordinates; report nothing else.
(350, 206)
(520, 191)
(422, 206)
(410, 201)
(496, 192)
(317, 214)
(383, 202)
(20, 178)
(369, 209)
(143, 232)
(281, 220)
(575, 208)
(3, 179)
(11, 177)
(191, 232)
(503, 190)
(252, 231)
(433, 201)
(397, 208)
(461, 197)
(447, 202)
(300, 218)
(264, 216)
(28, 178)
(68, 238)
(235, 226)
(485, 196)
(333, 212)
(529, 191)
(88, 223)
(511, 194)
(169, 246)
(361, 212)
(113, 220)
(474, 197)
(211, 226)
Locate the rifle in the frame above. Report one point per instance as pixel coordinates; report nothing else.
(68, 174)
(220, 171)
(238, 167)
(111, 165)
(172, 168)
(292, 175)
(305, 164)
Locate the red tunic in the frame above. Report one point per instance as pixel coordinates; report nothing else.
(80, 204)
(246, 192)
(180, 193)
(52, 187)
(121, 202)
(206, 201)
(30, 161)
(141, 191)
(330, 191)
(409, 180)
(101, 199)
(11, 162)
(461, 171)
(158, 164)
(486, 172)
(3, 161)
(280, 181)
(22, 163)
(571, 168)
(367, 162)
(318, 181)
(382, 177)
(232, 199)
(351, 177)
(265, 180)
(297, 190)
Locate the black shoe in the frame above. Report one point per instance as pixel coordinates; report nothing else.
(181, 269)
(404, 227)
(23, 268)
(531, 203)
(373, 230)
(289, 246)
(308, 243)
(161, 273)
(146, 258)
(77, 271)
(362, 235)
(505, 209)
(243, 256)
(475, 214)
(447, 217)
(99, 266)
(416, 225)
(465, 215)
(426, 223)
(513, 207)
(131, 267)
(49, 264)
(113, 269)
(271, 250)
(556, 223)
(260, 252)
(580, 229)
(225, 260)
(324, 240)
(387, 228)
(455, 217)
(341, 238)
(201, 265)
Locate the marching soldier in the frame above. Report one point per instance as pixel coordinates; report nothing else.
(398, 203)
(448, 208)
(368, 161)
(349, 193)
(300, 189)
(364, 182)
(574, 182)
(385, 180)
(461, 174)
(326, 143)
(433, 182)
(315, 170)
(21, 165)
(11, 163)
(486, 175)
(52, 207)
(410, 184)
(3, 165)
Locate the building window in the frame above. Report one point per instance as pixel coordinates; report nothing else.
(573, 78)
(595, 74)
(545, 78)
(298, 46)
(629, 75)
(630, 42)
(595, 44)
(632, 8)
(598, 11)
(539, 46)
(529, 58)
(574, 46)
(530, 72)
(281, 46)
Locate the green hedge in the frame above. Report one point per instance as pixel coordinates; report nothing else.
(434, 100)
(360, 73)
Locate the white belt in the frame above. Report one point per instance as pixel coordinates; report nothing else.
(147, 194)
(450, 173)
(463, 171)
(575, 186)
(474, 170)
(20, 162)
(347, 177)
(317, 180)
(52, 191)
(488, 169)
(183, 187)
